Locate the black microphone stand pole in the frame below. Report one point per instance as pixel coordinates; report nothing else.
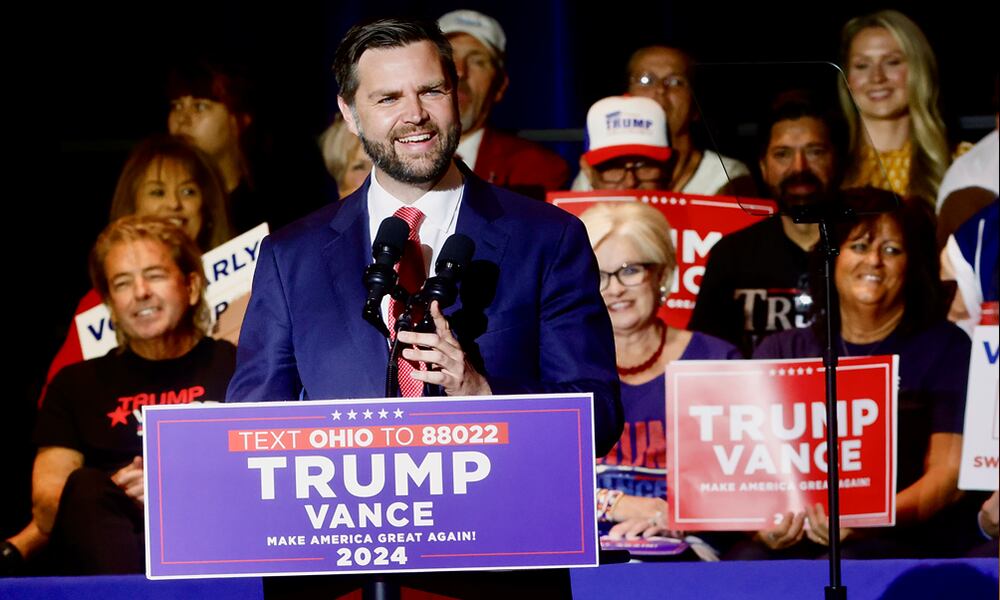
(385, 587)
(835, 590)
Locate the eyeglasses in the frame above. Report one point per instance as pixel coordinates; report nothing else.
(629, 275)
(650, 81)
(643, 171)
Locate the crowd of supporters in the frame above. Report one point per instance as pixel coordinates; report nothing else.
(902, 279)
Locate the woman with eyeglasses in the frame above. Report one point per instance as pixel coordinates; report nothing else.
(887, 299)
(637, 262)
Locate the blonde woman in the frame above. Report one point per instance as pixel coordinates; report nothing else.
(637, 260)
(344, 156)
(892, 81)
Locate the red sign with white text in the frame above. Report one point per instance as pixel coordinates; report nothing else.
(697, 223)
(747, 441)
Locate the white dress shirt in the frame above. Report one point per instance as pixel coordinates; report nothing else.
(440, 208)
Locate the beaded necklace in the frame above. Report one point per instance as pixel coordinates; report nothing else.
(649, 362)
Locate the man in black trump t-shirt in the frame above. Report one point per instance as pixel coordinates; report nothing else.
(87, 484)
(756, 280)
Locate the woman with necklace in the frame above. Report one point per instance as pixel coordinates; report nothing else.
(637, 263)
(888, 300)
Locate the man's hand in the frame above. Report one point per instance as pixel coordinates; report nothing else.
(785, 534)
(129, 479)
(445, 359)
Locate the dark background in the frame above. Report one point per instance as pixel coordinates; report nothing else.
(108, 64)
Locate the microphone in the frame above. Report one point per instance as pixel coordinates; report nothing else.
(455, 255)
(380, 276)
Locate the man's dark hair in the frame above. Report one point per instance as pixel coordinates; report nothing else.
(385, 33)
(799, 104)
(213, 78)
(633, 59)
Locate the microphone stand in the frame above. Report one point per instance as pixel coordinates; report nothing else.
(403, 323)
(835, 590)
(384, 587)
(824, 215)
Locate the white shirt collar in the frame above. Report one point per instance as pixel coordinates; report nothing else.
(440, 208)
(468, 147)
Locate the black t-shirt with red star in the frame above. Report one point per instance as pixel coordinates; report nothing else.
(95, 406)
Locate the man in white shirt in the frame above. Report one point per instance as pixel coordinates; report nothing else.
(664, 75)
(530, 317)
(479, 47)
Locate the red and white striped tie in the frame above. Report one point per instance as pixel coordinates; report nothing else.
(411, 276)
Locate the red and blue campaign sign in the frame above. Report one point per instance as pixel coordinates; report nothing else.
(746, 441)
(373, 486)
(697, 223)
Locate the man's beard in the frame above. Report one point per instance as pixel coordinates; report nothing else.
(386, 159)
(787, 200)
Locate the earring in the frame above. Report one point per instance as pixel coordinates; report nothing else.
(663, 295)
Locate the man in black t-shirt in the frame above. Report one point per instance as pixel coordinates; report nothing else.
(87, 484)
(756, 280)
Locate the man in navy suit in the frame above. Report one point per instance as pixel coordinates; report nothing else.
(530, 318)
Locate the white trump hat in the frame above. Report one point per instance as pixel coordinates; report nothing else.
(626, 126)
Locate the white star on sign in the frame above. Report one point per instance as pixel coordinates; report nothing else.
(367, 413)
(336, 415)
(398, 413)
(383, 413)
(351, 414)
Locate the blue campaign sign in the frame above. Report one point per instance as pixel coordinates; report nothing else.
(380, 485)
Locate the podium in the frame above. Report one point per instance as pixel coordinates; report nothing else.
(414, 492)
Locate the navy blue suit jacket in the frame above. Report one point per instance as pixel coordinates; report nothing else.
(530, 315)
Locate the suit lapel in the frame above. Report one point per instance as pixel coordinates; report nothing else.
(477, 219)
(346, 256)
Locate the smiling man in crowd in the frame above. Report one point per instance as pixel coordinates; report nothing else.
(627, 145)
(479, 48)
(87, 485)
(756, 281)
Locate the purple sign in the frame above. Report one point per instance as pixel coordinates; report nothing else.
(370, 486)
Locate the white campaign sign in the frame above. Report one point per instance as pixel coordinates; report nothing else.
(228, 268)
(981, 437)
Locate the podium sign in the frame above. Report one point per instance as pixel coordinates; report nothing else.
(370, 486)
(697, 223)
(747, 441)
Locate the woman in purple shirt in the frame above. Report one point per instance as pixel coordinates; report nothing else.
(888, 300)
(637, 262)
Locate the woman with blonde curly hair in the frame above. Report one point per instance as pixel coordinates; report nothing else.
(637, 261)
(890, 100)
(344, 156)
